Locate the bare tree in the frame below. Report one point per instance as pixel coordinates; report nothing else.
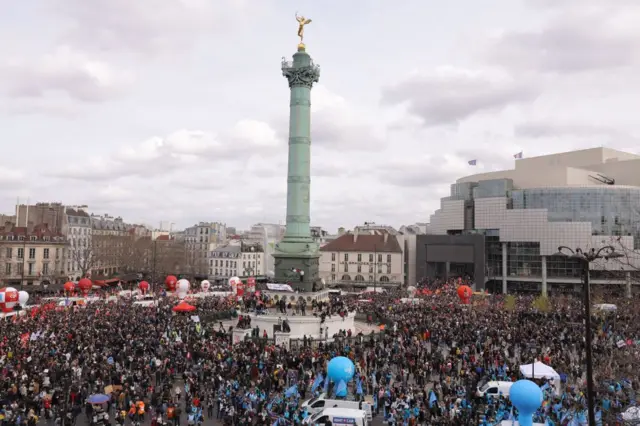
(169, 257)
(85, 257)
(3, 274)
(136, 254)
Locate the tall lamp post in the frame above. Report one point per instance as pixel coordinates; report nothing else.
(585, 258)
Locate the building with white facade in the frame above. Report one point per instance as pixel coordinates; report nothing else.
(253, 261)
(200, 239)
(225, 262)
(267, 235)
(582, 199)
(363, 258)
(77, 229)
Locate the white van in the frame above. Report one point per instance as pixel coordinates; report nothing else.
(319, 403)
(338, 417)
(495, 389)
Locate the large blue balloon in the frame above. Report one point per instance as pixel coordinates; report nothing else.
(340, 368)
(527, 398)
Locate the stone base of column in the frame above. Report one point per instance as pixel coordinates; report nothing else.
(295, 256)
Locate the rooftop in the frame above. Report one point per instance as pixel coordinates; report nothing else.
(354, 242)
(40, 232)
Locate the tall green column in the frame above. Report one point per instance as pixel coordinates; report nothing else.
(297, 255)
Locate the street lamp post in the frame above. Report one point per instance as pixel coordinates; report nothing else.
(585, 258)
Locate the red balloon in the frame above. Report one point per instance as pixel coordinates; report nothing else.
(85, 285)
(170, 283)
(69, 286)
(143, 286)
(464, 293)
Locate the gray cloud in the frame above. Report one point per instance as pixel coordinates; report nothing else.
(582, 36)
(603, 134)
(450, 96)
(64, 71)
(147, 27)
(431, 172)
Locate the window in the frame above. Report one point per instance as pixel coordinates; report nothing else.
(57, 253)
(359, 268)
(9, 252)
(370, 257)
(388, 269)
(7, 269)
(359, 278)
(384, 279)
(370, 269)
(388, 258)
(32, 253)
(346, 278)
(333, 257)
(346, 267)
(45, 254)
(380, 258)
(19, 268)
(333, 267)
(359, 257)
(370, 278)
(20, 253)
(333, 277)
(30, 268)
(346, 257)
(45, 269)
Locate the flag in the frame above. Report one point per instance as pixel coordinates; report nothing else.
(359, 390)
(472, 162)
(317, 382)
(518, 156)
(292, 391)
(341, 389)
(326, 385)
(432, 399)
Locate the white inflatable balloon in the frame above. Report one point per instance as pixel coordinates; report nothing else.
(205, 285)
(233, 282)
(182, 288)
(23, 298)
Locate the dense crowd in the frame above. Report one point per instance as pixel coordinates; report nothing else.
(159, 366)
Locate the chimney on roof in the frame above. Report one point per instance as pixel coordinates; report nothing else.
(386, 237)
(355, 235)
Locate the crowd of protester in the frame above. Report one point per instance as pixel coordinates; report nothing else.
(425, 367)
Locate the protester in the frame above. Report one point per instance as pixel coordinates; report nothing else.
(168, 368)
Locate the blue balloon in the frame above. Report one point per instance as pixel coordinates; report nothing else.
(526, 396)
(340, 368)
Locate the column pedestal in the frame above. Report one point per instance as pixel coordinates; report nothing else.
(239, 334)
(282, 339)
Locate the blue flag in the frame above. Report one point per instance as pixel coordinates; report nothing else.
(292, 391)
(341, 389)
(326, 385)
(432, 399)
(317, 382)
(359, 390)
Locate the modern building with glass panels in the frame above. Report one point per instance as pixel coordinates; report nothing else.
(581, 199)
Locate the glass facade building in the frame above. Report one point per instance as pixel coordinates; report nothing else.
(610, 210)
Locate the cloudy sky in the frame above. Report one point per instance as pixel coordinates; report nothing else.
(177, 110)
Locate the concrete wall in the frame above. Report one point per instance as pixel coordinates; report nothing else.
(475, 241)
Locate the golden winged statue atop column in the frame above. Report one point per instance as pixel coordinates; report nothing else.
(302, 21)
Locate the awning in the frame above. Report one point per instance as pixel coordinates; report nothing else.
(103, 283)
